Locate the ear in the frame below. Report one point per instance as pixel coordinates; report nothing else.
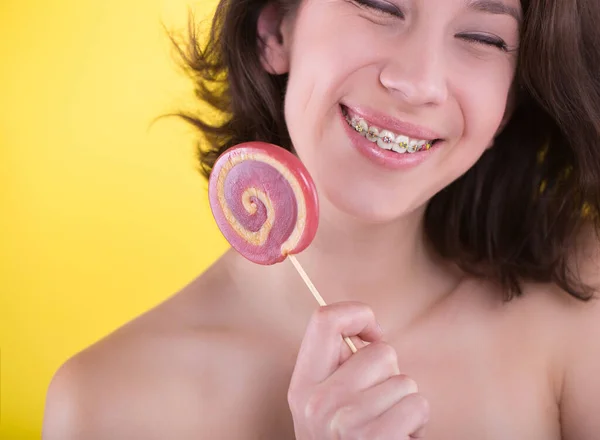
(273, 39)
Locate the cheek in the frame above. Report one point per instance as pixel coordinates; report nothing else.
(484, 106)
(481, 84)
(321, 65)
(329, 46)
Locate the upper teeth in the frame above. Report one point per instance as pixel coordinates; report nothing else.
(386, 139)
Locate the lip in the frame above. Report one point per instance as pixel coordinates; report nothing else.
(386, 122)
(385, 158)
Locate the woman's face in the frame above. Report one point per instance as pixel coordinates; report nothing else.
(389, 101)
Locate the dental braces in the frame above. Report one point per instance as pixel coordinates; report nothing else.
(388, 140)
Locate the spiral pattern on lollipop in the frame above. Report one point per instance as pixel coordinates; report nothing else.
(263, 201)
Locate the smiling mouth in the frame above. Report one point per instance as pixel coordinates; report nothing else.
(387, 139)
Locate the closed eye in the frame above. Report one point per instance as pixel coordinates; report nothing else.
(380, 7)
(487, 40)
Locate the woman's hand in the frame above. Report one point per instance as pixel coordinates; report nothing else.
(337, 395)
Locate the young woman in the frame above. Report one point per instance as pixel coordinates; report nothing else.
(455, 146)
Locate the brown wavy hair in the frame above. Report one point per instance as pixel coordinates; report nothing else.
(516, 214)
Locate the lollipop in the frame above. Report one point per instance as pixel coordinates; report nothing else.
(266, 206)
(264, 202)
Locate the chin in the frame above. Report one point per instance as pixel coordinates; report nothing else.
(364, 205)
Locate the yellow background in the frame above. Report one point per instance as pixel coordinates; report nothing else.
(102, 214)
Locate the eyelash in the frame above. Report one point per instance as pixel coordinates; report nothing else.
(384, 8)
(486, 40)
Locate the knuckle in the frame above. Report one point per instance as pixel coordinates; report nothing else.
(322, 317)
(368, 311)
(384, 353)
(407, 384)
(331, 314)
(420, 405)
(339, 426)
(316, 406)
(413, 409)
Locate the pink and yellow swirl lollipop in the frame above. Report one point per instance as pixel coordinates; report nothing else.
(265, 204)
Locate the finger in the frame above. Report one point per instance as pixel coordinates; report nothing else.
(371, 365)
(409, 417)
(345, 350)
(321, 348)
(372, 403)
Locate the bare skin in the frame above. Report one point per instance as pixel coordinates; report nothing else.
(215, 361)
(236, 354)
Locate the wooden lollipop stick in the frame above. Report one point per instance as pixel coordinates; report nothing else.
(316, 294)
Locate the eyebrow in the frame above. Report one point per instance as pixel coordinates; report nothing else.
(495, 7)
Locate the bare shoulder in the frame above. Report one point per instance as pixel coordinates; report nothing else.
(580, 398)
(569, 313)
(574, 329)
(181, 370)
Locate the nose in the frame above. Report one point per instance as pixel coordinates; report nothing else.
(414, 71)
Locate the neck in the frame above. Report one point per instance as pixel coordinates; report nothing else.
(389, 266)
(352, 261)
